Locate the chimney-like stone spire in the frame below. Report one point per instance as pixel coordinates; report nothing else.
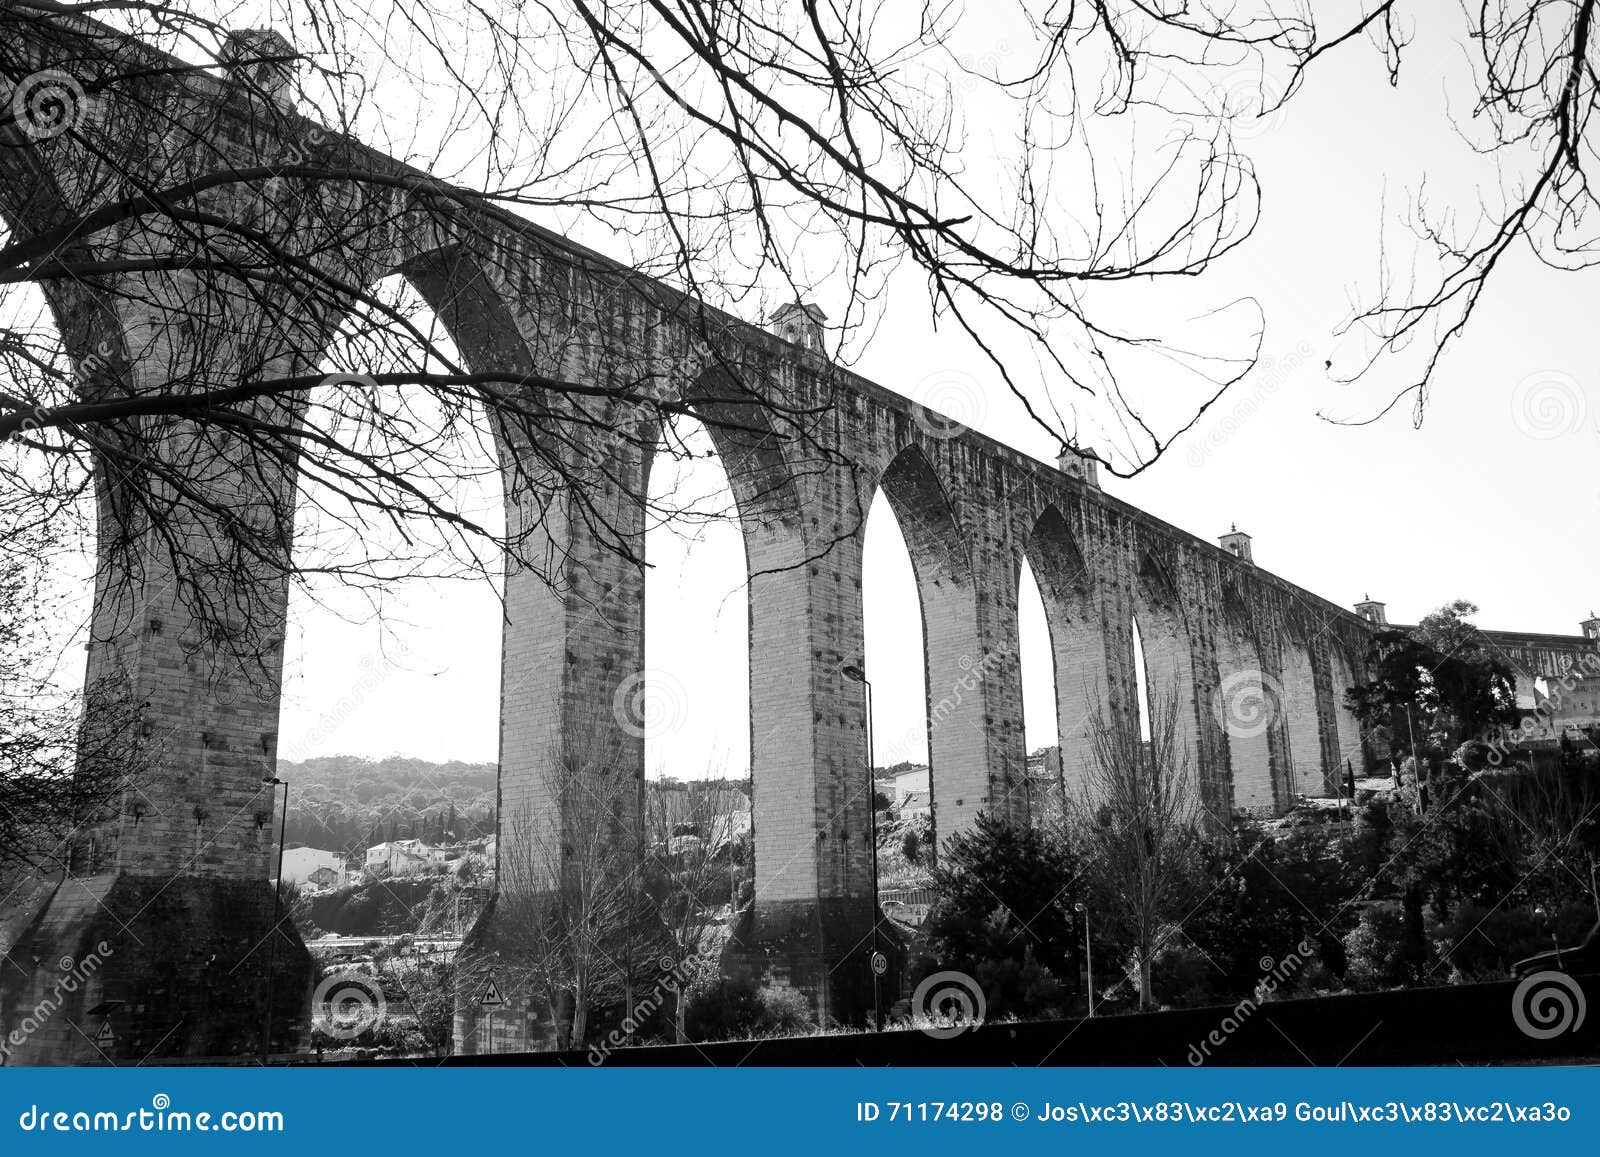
(799, 323)
(1080, 466)
(262, 61)
(1372, 610)
(1237, 543)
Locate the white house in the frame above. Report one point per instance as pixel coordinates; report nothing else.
(313, 865)
(403, 857)
(914, 779)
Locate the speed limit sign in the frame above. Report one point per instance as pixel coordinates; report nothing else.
(880, 963)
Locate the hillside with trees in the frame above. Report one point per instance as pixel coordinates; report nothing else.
(348, 803)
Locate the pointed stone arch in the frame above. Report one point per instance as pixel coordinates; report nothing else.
(939, 550)
(753, 449)
(786, 751)
(1077, 639)
(954, 658)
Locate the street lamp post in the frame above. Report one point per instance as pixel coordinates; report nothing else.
(1088, 953)
(277, 908)
(857, 675)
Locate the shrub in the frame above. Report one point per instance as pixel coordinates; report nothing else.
(739, 1010)
(1376, 950)
(1020, 987)
(716, 1010)
(1265, 895)
(783, 1012)
(1003, 915)
(911, 846)
(1482, 944)
(1319, 977)
(1182, 974)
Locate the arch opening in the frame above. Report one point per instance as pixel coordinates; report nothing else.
(393, 627)
(51, 581)
(1046, 781)
(893, 634)
(692, 698)
(756, 504)
(1075, 660)
(1141, 679)
(696, 690)
(954, 661)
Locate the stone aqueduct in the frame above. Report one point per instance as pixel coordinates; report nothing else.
(171, 899)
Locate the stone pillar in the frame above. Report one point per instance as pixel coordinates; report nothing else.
(1303, 765)
(1525, 689)
(958, 749)
(1280, 749)
(167, 910)
(787, 742)
(1169, 663)
(811, 925)
(967, 586)
(1174, 602)
(1325, 698)
(991, 679)
(1122, 693)
(1178, 656)
(1348, 729)
(1246, 710)
(574, 710)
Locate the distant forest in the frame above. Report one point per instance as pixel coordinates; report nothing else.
(347, 804)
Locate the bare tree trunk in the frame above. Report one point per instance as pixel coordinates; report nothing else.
(1135, 820)
(580, 1024)
(562, 1011)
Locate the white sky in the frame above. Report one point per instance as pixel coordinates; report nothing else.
(1495, 498)
(1472, 505)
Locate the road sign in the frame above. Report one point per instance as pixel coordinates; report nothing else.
(880, 964)
(491, 995)
(105, 1038)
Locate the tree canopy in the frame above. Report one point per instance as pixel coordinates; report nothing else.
(1453, 682)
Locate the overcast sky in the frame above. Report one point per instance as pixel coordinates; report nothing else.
(1495, 499)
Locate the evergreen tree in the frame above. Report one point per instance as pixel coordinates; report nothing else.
(1003, 915)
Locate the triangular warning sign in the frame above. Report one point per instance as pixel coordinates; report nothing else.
(105, 1036)
(491, 994)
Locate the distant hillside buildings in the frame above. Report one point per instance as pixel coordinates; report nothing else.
(319, 870)
(910, 793)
